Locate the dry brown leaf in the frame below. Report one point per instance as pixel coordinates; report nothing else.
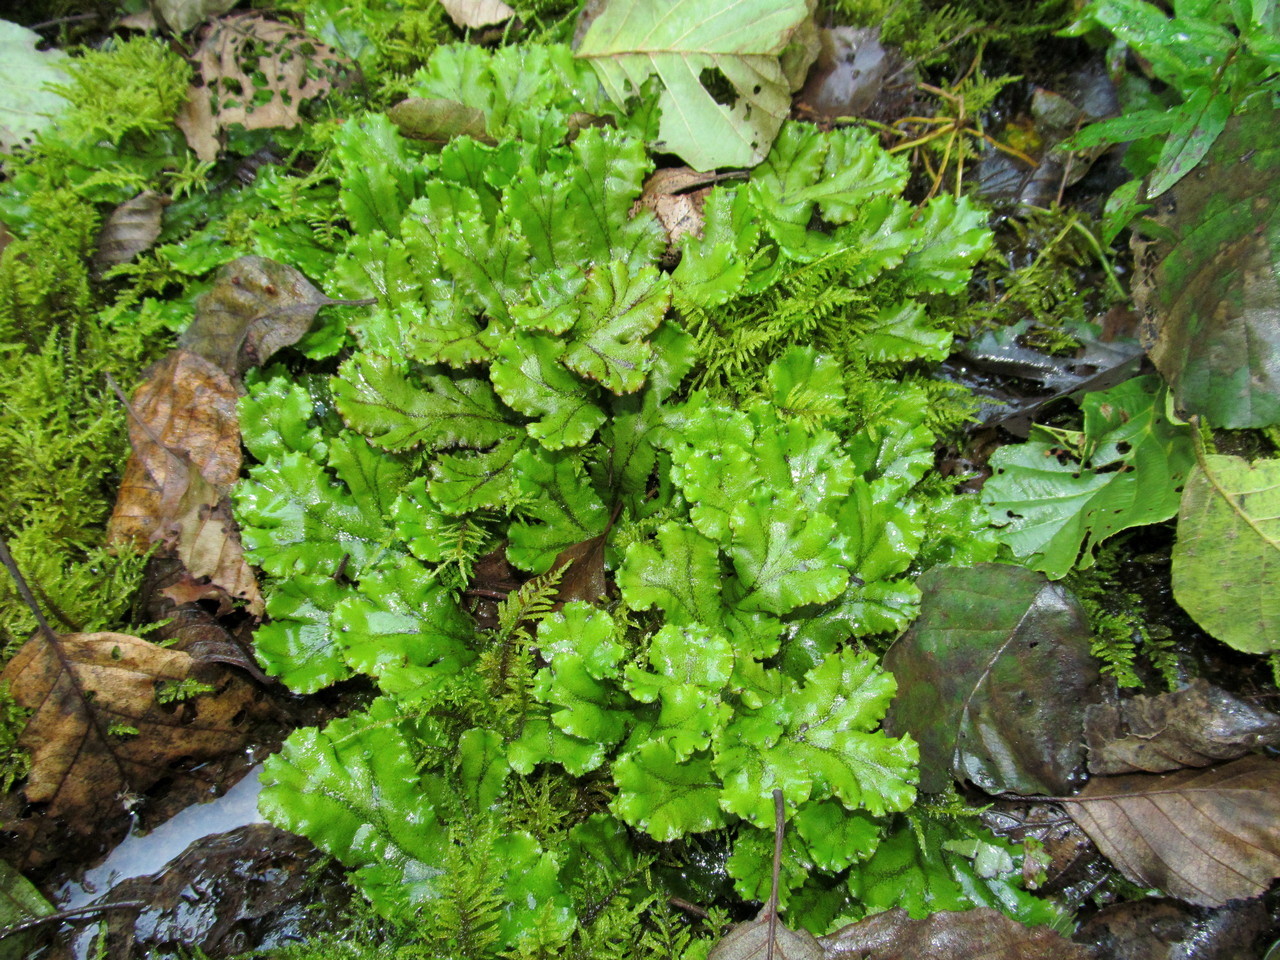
(1193, 727)
(1204, 836)
(981, 934)
(255, 307)
(676, 195)
(294, 69)
(477, 13)
(132, 227)
(185, 434)
(184, 421)
(86, 691)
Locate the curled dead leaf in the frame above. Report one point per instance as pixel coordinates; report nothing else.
(1204, 836)
(438, 121)
(1193, 727)
(255, 307)
(477, 13)
(676, 195)
(257, 73)
(132, 228)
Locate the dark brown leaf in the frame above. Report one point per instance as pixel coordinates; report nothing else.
(993, 679)
(1196, 726)
(856, 76)
(132, 227)
(585, 577)
(1204, 836)
(255, 307)
(1168, 930)
(438, 121)
(981, 934)
(86, 691)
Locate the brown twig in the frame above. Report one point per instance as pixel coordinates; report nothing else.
(71, 915)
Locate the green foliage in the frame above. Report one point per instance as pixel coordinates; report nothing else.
(14, 761)
(520, 385)
(1215, 60)
(1065, 488)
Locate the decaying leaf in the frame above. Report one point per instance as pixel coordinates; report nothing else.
(477, 13)
(184, 425)
(255, 307)
(1204, 836)
(1193, 727)
(981, 934)
(676, 196)
(1167, 930)
(1210, 288)
(585, 578)
(993, 679)
(185, 436)
(132, 228)
(97, 734)
(724, 90)
(1226, 563)
(181, 15)
(257, 73)
(438, 121)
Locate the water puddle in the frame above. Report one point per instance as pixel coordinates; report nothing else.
(140, 856)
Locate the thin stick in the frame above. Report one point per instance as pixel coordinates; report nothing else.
(24, 591)
(779, 826)
(71, 915)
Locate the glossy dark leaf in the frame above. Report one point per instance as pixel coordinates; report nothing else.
(993, 679)
(1204, 836)
(585, 577)
(971, 935)
(1211, 291)
(1193, 727)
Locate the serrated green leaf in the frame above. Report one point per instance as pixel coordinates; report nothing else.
(375, 265)
(1226, 559)
(679, 41)
(541, 741)
(295, 519)
(354, 790)
(584, 658)
(678, 573)
(552, 306)
(556, 488)
(477, 479)
(713, 267)
(820, 742)
(527, 374)
(838, 171)
(835, 837)
(400, 412)
(378, 180)
(1055, 508)
(665, 797)
(691, 666)
(536, 908)
(482, 767)
(619, 309)
(276, 418)
(486, 257)
(421, 524)
(405, 630)
(785, 555)
(446, 332)
(298, 644)
(901, 332)
(807, 386)
(953, 237)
